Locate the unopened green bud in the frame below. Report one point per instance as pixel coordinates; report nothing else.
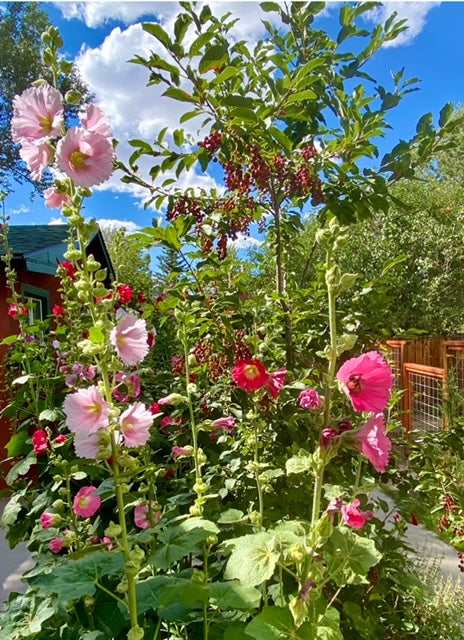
(323, 237)
(73, 97)
(132, 568)
(192, 359)
(122, 587)
(332, 277)
(85, 193)
(347, 282)
(191, 388)
(212, 540)
(63, 492)
(255, 518)
(137, 554)
(66, 67)
(73, 254)
(297, 553)
(200, 487)
(89, 602)
(58, 505)
(196, 510)
(136, 633)
(113, 530)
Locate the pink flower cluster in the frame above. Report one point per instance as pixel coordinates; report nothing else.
(85, 154)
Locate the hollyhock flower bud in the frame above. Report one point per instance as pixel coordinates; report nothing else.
(344, 425)
(86, 502)
(310, 399)
(61, 439)
(353, 517)
(327, 437)
(57, 545)
(182, 452)
(276, 382)
(141, 515)
(40, 441)
(129, 338)
(48, 520)
(172, 398)
(250, 375)
(228, 424)
(334, 506)
(367, 380)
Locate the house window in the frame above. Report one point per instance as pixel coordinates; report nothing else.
(39, 301)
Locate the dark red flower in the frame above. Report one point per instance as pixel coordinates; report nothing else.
(58, 310)
(70, 269)
(125, 293)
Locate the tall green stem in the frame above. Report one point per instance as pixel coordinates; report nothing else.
(258, 481)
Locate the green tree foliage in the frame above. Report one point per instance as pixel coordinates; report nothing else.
(131, 264)
(21, 63)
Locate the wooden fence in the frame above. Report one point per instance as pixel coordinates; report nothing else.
(424, 369)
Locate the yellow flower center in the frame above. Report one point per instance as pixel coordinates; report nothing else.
(251, 372)
(46, 124)
(78, 159)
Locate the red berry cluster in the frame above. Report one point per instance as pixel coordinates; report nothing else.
(236, 178)
(259, 169)
(212, 142)
(219, 363)
(187, 207)
(308, 153)
(178, 365)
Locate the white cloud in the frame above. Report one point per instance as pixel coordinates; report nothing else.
(94, 14)
(55, 221)
(244, 242)
(22, 209)
(108, 223)
(414, 12)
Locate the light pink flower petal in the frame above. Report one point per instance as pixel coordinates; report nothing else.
(37, 114)
(129, 338)
(86, 157)
(135, 423)
(55, 200)
(367, 380)
(86, 411)
(141, 515)
(373, 441)
(87, 445)
(95, 120)
(37, 156)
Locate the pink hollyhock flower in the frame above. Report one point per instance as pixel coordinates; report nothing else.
(37, 114)
(367, 380)
(140, 515)
(353, 517)
(57, 545)
(58, 310)
(86, 411)
(132, 384)
(56, 200)
(327, 437)
(172, 398)
(87, 445)
(40, 441)
(155, 409)
(334, 506)
(250, 375)
(37, 157)
(96, 121)
(310, 399)
(228, 424)
(86, 157)
(125, 293)
(135, 423)
(167, 421)
(108, 542)
(182, 452)
(86, 502)
(129, 338)
(48, 520)
(276, 382)
(373, 441)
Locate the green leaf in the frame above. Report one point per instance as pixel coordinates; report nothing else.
(351, 557)
(299, 464)
(226, 74)
(77, 578)
(181, 540)
(158, 32)
(270, 6)
(231, 516)
(328, 625)
(11, 510)
(213, 58)
(276, 623)
(253, 559)
(49, 414)
(179, 94)
(232, 595)
(96, 335)
(445, 114)
(21, 468)
(281, 138)
(301, 96)
(17, 445)
(188, 115)
(172, 597)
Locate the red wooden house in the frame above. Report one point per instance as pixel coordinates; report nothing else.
(37, 251)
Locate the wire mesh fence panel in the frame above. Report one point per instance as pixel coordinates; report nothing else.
(394, 354)
(424, 397)
(455, 362)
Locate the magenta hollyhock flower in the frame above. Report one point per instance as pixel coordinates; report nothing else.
(135, 423)
(228, 424)
(129, 338)
(56, 200)
(70, 269)
(86, 157)
(125, 293)
(61, 439)
(310, 399)
(250, 375)
(16, 310)
(327, 437)
(37, 157)
(86, 502)
(276, 382)
(141, 515)
(57, 545)
(96, 121)
(353, 517)
(86, 411)
(48, 520)
(37, 114)
(367, 380)
(373, 441)
(40, 441)
(58, 310)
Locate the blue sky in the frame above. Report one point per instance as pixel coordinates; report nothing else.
(102, 36)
